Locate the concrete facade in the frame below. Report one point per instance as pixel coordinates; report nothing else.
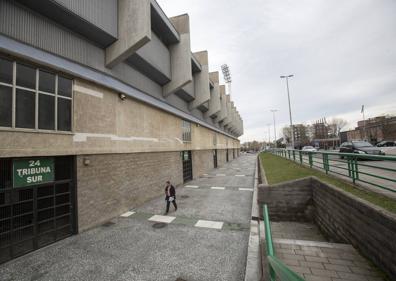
(214, 102)
(134, 30)
(180, 57)
(132, 95)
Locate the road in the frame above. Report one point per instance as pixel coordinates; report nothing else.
(205, 239)
(364, 167)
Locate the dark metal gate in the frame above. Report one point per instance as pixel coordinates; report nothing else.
(227, 159)
(187, 166)
(34, 216)
(233, 153)
(215, 158)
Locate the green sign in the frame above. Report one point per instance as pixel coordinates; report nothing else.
(32, 171)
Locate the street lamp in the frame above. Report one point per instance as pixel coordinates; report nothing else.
(273, 114)
(288, 97)
(269, 133)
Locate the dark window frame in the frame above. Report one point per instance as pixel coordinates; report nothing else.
(37, 94)
(186, 131)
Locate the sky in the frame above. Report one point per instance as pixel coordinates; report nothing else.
(342, 55)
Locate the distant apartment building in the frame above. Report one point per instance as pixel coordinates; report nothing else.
(373, 130)
(101, 102)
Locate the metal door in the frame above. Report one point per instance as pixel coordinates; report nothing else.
(37, 215)
(227, 156)
(187, 166)
(233, 153)
(215, 158)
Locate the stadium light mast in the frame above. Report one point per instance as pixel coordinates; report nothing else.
(227, 77)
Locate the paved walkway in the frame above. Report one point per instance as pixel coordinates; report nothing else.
(206, 239)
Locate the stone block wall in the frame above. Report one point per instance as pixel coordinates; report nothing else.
(202, 162)
(221, 157)
(289, 201)
(369, 228)
(114, 183)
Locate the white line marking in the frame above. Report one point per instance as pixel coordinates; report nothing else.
(245, 189)
(209, 224)
(205, 174)
(83, 90)
(239, 175)
(192, 186)
(127, 214)
(220, 175)
(218, 187)
(158, 218)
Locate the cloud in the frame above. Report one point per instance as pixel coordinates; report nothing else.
(341, 53)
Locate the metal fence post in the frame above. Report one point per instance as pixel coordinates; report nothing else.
(356, 168)
(310, 159)
(325, 160)
(294, 155)
(301, 158)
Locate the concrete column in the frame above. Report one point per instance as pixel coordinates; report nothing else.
(201, 81)
(214, 102)
(134, 30)
(227, 120)
(231, 125)
(180, 54)
(223, 103)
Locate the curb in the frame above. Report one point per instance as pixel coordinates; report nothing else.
(253, 271)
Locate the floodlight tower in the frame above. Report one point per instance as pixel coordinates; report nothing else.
(227, 77)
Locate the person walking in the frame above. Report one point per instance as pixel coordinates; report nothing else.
(170, 196)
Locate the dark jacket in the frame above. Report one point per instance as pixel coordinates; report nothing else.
(172, 192)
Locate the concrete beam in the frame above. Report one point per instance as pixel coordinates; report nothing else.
(201, 81)
(227, 120)
(134, 30)
(223, 103)
(231, 125)
(214, 102)
(180, 54)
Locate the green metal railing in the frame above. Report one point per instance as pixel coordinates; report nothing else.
(276, 267)
(352, 165)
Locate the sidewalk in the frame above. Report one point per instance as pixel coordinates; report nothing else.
(206, 239)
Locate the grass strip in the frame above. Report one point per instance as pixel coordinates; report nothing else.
(278, 169)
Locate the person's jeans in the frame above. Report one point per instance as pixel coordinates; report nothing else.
(168, 204)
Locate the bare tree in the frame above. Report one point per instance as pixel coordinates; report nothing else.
(287, 133)
(336, 125)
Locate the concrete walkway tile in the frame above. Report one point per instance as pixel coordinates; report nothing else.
(209, 224)
(142, 215)
(128, 214)
(185, 221)
(165, 219)
(235, 226)
(192, 186)
(239, 175)
(245, 189)
(218, 187)
(220, 175)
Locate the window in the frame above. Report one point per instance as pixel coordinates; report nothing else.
(6, 69)
(5, 106)
(186, 131)
(43, 100)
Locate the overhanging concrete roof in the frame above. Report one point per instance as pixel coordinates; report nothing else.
(44, 58)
